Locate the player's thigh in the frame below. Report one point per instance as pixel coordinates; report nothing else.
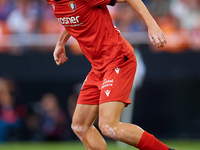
(117, 83)
(85, 115)
(89, 93)
(110, 113)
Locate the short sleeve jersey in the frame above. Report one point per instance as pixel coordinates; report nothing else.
(90, 23)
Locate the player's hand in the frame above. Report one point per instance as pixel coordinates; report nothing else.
(59, 55)
(156, 36)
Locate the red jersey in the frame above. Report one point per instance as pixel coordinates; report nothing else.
(90, 23)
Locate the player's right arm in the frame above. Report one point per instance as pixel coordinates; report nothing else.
(59, 53)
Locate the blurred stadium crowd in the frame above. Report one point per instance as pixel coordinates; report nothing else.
(39, 120)
(179, 19)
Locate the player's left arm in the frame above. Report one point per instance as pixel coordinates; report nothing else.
(156, 35)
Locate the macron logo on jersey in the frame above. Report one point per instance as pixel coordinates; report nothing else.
(117, 70)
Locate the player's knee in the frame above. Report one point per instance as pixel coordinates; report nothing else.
(78, 129)
(109, 131)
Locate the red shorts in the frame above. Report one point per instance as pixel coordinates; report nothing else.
(113, 85)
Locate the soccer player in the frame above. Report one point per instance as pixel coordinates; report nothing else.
(105, 91)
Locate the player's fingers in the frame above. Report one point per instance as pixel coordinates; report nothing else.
(58, 62)
(152, 40)
(66, 59)
(157, 41)
(63, 58)
(55, 56)
(162, 40)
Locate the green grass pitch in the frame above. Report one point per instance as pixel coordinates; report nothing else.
(76, 145)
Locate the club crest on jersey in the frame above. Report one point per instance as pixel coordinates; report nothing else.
(72, 5)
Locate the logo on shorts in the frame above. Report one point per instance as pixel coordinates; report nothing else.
(117, 70)
(107, 92)
(107, 83)
(72, 5)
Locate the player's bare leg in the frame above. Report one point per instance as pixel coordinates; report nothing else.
(82, 124)
(110, 126)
